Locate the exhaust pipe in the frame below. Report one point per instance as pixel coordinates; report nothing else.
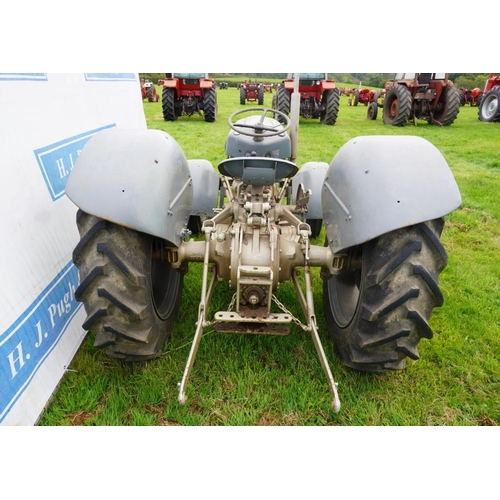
(294, 117)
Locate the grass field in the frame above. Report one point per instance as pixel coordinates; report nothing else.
(254, 380)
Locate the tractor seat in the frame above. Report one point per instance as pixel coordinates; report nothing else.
(424, 79)
(258, 171)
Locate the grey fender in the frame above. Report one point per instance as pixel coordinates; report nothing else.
(206, 183)
(136, 178)
(377, 184)
(312, 176)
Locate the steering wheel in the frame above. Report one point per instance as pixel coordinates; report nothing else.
(259, 129)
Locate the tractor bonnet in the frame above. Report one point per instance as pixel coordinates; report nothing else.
(277, 146)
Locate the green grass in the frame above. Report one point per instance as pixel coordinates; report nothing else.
(253, 380)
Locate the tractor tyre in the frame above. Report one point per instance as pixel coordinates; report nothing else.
(243, 96)
(131, 300)
(210, 105)
(489, 110)
(282, 102)
(168, 105)
(448, 107)
(260, 95)
(397, 106)
(355, 98)
(195, 223)
(152, 97)
(331, 103)
(315, 225)
(479, 100)
(378, 309)
(372, 111)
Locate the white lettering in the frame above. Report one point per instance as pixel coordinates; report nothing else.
(62, 169)
(41, 335)
(71, 161)
(52, 312)
(19, 360)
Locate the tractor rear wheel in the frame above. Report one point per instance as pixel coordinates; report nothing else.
(489, 110)
(131, 300)
(331, 103)
(282, 102)
(168, 105)
(448, 107)
(378, 309)
(243, 96)
(260, 95)
(372, 112)
(397, 106)
(210, 105)
(152, 97)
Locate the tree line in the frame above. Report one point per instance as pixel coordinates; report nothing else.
(467, 80)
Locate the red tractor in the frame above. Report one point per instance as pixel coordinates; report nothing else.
(472, 97)
(363, 96)
(252, 92)
(189, 93)
(319, 97)
(426, 96)
(148, 90)
(489, 106)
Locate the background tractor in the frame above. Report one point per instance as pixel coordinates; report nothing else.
(377, 101)
(189, 93)
(383, 200)
(252, 92)
(425, 96)
(319, 97)
(489, 107)
(472, 97)
(148, 90)
(363, 96)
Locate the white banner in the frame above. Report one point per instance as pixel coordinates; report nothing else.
(45, 120)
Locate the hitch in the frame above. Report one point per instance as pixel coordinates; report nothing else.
(254, 291)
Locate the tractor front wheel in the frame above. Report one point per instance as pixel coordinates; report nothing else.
(397, 106)
(378, 309)
(448, 107)
(243, 96)
(489, 110)
(372, 112)
(130, 298)
(168, 105)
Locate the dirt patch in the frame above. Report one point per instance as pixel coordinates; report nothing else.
(486, 421)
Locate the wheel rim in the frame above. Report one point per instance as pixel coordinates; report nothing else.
(393, 108)
(490, 106)
(344, 294)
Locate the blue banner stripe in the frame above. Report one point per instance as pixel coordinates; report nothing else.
(56, 160)
(24, 76)
(34, 335)
(107, 77)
